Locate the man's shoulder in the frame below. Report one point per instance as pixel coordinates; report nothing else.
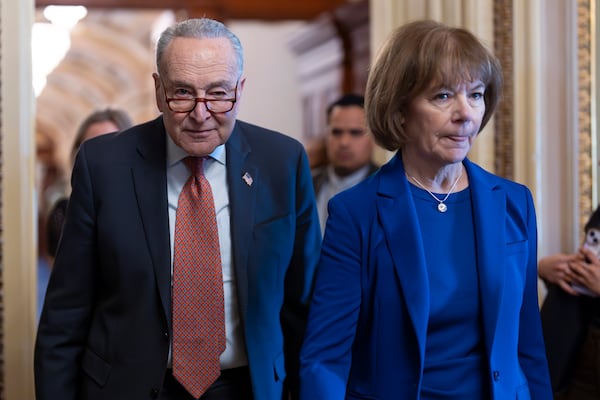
(319, 176)
(319, 172)
(147, 137)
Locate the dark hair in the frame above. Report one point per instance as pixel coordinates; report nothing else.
(593, 221)
(119, 117)
(346, 100)
(415, 57)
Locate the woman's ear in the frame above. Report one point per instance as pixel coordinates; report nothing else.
(401, 113)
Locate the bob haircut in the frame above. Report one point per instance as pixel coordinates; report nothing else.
(416, 57)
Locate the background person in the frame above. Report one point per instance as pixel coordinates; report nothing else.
(98, 123)
(349, 149)
(122, 317)
(571, 320)
(427, 284)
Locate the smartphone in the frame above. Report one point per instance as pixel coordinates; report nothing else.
(592, 242)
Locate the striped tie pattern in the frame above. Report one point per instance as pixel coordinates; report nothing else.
(198, 306)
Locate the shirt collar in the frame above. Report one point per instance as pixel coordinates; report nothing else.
(176, 153)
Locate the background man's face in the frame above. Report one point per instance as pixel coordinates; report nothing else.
(349, 146)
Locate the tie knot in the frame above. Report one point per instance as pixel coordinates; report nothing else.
(195, 165)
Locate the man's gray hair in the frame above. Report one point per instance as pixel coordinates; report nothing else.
(199, 28)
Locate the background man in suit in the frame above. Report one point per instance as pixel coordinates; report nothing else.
(348, 148)
(107, 328)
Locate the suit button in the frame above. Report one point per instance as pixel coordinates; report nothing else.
(154, 393)
(166, 335)
(496, 376)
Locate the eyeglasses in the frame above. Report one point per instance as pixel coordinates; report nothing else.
(217, 106)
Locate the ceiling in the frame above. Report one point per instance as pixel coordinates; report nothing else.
(272, 10)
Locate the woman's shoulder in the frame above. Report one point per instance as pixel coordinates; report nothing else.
(478, 173)
(360, 196)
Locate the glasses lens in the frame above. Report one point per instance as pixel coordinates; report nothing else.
(187, 105)
(181, 105)
(219, 106)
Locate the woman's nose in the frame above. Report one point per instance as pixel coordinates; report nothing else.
(463, 109)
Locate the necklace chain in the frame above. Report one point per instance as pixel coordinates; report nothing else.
(441, 206)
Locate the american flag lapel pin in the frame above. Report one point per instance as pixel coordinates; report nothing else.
(247, 178)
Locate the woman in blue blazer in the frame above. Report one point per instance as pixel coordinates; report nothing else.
(427, 283)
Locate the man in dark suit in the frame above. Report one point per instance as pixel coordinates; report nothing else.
(348, 148)
(107, 326)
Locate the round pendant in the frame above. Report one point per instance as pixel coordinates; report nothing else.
(442, 207)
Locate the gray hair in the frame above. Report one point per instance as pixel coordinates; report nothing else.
(199, 28)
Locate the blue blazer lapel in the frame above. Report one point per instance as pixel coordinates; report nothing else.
(243, 179)
(403, 235)
(150, 183)
(489, 214)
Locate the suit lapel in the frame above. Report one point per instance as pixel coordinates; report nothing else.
(489, 213)
(403, 237)
(243, 179)
(150, 185)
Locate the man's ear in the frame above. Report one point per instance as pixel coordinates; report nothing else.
(158, 92)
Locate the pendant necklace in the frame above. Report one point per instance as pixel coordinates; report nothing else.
(441, 206)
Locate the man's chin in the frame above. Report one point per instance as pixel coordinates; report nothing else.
(343, 171)
(200, 149)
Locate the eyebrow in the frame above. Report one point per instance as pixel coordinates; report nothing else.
(211, 85)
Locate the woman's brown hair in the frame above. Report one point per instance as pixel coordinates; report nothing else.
(415, 57)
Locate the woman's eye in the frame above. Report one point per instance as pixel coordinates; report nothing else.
(442, 96)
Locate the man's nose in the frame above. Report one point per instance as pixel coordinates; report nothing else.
(200, 112)
(345, 137)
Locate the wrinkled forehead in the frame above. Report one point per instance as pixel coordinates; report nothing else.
(187, 53)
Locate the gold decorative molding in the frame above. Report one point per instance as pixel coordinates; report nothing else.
(585, 52)
(503, 118)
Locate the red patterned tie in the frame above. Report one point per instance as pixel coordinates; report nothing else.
(198, 307)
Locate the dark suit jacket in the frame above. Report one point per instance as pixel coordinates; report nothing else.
(565, 323)
(368, 318)
(105, 328)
